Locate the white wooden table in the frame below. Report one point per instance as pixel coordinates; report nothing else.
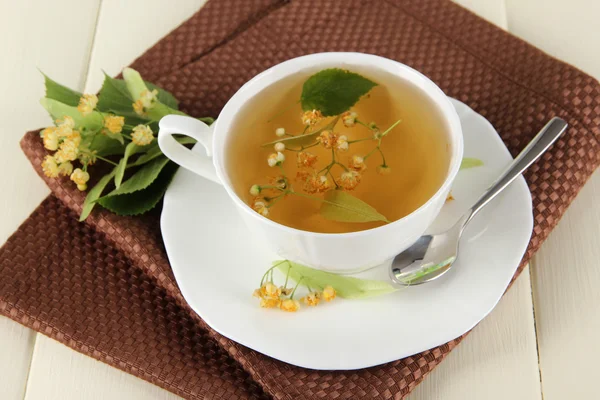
(527, 348)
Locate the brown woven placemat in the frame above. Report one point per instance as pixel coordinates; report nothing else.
(105, 287)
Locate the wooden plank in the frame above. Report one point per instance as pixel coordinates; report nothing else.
(16, 347)
(565, 29)
(31, 39)
(497, 360)
(57, 372)
(127, 29)
(566, 278)
(492, 10)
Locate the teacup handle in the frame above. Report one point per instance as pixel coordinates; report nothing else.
(181, 125)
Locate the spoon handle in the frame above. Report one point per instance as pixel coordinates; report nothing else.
(540, 143)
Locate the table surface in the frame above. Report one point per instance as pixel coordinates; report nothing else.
(525, 349)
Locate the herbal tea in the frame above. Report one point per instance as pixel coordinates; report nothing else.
(338, 152)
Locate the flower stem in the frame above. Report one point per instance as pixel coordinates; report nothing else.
(271, 269)
(371, 152)
(295, 288)
(382, 156)
(360, 140)
(390, 128)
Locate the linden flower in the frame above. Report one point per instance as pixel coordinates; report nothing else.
(261, 208)
(50, 137)
(280, 132)
(270, 303)
(279, 147)
(383, 170)
(65, 169)
(275, 159)
(68, 151)
(306, 159)
(145, 102)
(327, 139)
(255, 190)
(50, 167)
(349, 180)
(357, 163)
(279, 182)
(341, 143)
(310, 118)
(270, 291)
(302, 176)
(65, 126)
(86, 156)
(142, 135)
(87, 103)
(80, 177)
(317, 184)
(328, 293)
(286, 291)
(114, 124)
(349, 118)
(312, 299)
(289, 305)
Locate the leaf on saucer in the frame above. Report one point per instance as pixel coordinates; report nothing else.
(343, 207)
(143, 200)
(346, 286)
(467, 163)
(58, 92)
(333, 91)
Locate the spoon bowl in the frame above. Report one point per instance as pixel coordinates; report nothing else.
(431, 256)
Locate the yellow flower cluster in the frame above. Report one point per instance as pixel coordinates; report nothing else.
(66, 142)
(142, 135)
(145, 102)
(272, 296)
(312, 179)
(87, 104)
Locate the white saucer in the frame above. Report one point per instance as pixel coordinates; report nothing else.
(217, 264)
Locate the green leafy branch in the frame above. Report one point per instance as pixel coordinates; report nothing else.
(140, 172)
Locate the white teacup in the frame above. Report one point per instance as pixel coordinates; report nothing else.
(343, 252)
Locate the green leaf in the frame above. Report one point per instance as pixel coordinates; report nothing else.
(346, 286)
(163, 96)
(58, 110)
(343, 207)
(94, 194)
(141, 201)
(467, 163)
(159, 110)
(141, 179)
(105, 146)
(333, 91)
(134, 82)
(154, 151)
(120, 169)
(114, 97)
(58, 92)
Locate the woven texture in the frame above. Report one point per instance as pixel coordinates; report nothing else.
(105, 287)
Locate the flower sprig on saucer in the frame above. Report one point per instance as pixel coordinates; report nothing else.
(328, 94)
(317, 287)
(115, 128)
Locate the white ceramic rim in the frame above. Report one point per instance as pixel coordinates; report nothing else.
(340, 60)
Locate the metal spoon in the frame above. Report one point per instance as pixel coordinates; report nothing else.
(431, 256)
